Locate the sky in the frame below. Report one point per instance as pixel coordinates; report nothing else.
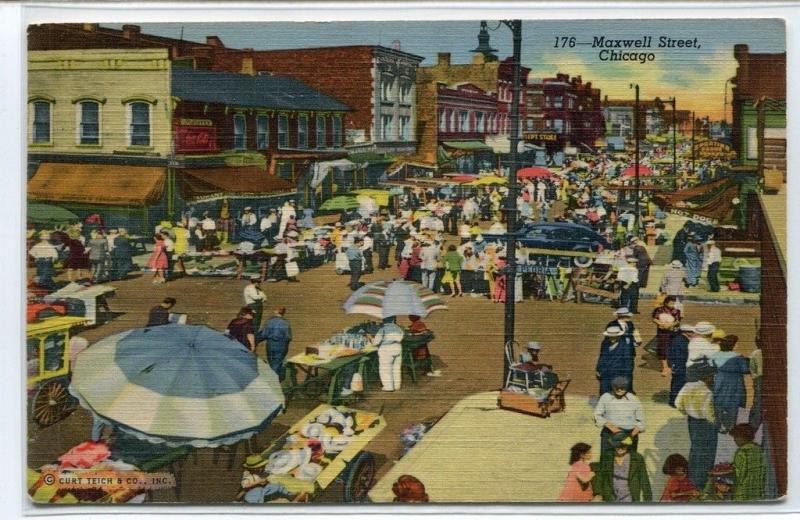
(695, 76)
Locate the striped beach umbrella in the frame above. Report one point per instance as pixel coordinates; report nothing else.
(383, 299)
(177, 384)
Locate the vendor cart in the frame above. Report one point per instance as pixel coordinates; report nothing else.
(352, 466)
(48, 366)
(318, 371)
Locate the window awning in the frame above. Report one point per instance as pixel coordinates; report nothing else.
(472, 146)
(248, 181)
(100, 184)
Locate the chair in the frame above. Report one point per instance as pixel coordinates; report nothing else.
(516, 370)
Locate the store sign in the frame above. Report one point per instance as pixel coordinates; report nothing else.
(693, 216)
(714, 150)
(185, 121)
(195, 138)
(540, 136)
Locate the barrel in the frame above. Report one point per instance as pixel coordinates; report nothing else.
(750, 277)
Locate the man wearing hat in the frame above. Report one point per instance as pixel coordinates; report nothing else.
(628, 276)
(621, 474)
(44, 254)
(254, 298)
(677, 355)
(713, 259)
(693, 253)
(643, 261)
(617, 411)
(277, 333)
(696, 401)
(672, 282)
(617, 354)
(623, 320)
(701, 345)
(355, 259)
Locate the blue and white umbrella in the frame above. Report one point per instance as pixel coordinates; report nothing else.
(177, 384)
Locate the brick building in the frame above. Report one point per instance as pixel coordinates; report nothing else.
(757, 76)
(563, 111)
(377, 82)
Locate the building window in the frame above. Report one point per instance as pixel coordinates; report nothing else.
(262, 132)
(283, 132)
(453, 126)
(405, 128)
(239, 129)
(337, 131)
(529, 125)
(322, 142)
(463, 124)
(752, 143)
(90, 122)
(386, 127)
(285, 171)
(302, 131)
(405, 92)
(479, 122)
(558, 125)
(41, 122)
(387, 86)
(558, 102)
(140, 123)
(442, 121)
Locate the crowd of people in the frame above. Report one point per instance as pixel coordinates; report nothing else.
(707, 385)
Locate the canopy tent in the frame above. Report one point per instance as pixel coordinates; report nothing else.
(47, 214)
(320, 170)
(534, 172)
(98, 184)
(381, 197)
(249, 181)
(630, 171)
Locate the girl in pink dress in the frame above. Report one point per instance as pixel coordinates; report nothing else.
(158, 261)
(578, 485)
(499, 295)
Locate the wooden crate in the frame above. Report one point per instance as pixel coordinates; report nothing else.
(523, 403)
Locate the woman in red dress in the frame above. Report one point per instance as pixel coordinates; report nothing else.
(158, 260)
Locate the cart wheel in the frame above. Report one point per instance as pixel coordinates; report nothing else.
(360, 477)
(51, 403)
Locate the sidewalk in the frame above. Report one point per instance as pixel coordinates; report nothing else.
(480, 453)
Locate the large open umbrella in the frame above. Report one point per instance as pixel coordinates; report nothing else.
(534, 172)
(379, 196)
(630, 171)
(177, 384)
(383, 299)
(47, 214)
(342, 202)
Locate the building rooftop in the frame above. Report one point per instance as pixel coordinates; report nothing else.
(262, 91)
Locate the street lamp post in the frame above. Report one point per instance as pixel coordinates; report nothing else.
(694, 122)
(636, 131)
(511, 204)
(674, 139)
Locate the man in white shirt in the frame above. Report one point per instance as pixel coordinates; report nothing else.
(389, 339)
(701, 346)
(628, 276)
(619, 410)
(714, 258)
(254, 298)
(248, 218)
(696, 401)
(44, 254)
(429, 256)
(209, 229)
(287, 211)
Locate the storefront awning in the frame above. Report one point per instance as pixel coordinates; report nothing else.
(467, 146)
(98, 184)
(244, 182)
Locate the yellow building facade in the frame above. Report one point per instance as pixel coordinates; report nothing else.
(99, 102)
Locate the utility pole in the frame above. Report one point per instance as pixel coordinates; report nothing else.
(674, 140)
(694, 122)
(511, 207)
(636, 130)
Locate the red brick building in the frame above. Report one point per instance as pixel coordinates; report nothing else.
(377, 82)
(564, 111)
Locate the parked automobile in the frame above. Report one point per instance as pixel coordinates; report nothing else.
(558, 235)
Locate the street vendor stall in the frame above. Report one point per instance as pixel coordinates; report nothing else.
(324, 446)
(92, 298)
